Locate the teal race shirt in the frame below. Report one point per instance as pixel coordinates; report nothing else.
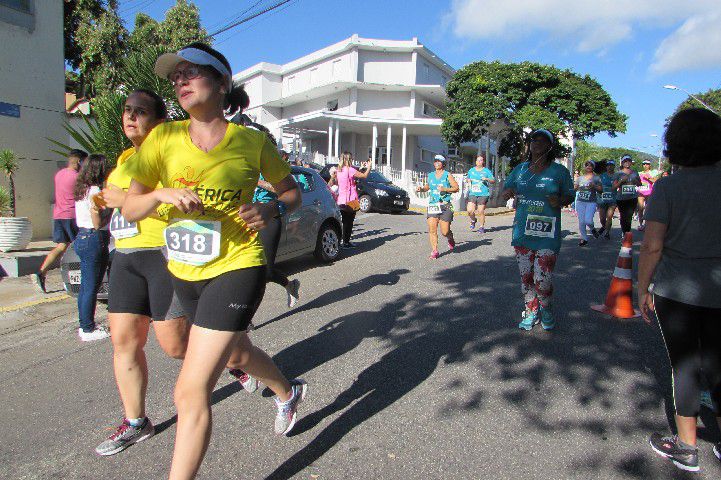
(608, 196)
(479, 188)
(537, 224)
(586, 191)
(261, 195)
(433, 182)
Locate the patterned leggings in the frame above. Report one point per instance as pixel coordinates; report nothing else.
(536, 267)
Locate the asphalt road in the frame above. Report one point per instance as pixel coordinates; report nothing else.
(415, 367)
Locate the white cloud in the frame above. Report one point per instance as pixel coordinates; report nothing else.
(695, 45)
(593, 25)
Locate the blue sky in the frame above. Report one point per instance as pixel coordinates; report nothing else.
(632, 47)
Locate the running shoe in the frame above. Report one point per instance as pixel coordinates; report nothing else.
(38, 280)
(684, 458)
(717, 450)
(547, 320)
(451, 244)
(287, 411)
(473, 226)
(528, 320)
(582, 243)
(595, 233)
(125, 436)
(434, 255)
(607, 235)
(641, 228)
(481, 230)
(248, 383)
(706, 400)
(293, 291)
(98, 334)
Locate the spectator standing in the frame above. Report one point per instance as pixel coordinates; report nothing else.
(681, 254)
(64, 226)
(347, 199)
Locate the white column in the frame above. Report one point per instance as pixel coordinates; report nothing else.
(388, 146)
(403, 156)
(337, 139)
(330, 139)
(374, 145)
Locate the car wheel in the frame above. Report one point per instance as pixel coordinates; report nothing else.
(327, 246)
(365, 203)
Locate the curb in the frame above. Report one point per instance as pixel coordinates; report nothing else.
(20, 306)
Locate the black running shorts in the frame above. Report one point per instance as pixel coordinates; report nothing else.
(446, 214)
(140, 283)
(226, 302)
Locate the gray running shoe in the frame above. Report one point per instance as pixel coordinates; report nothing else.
(248, 383)
(38, 280)
(287, 411)
(293, 290)
(717, 450)
(125, 436)
(683, 458)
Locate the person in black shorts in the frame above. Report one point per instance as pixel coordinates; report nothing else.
(440, 186)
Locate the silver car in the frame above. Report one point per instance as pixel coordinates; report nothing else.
(314, 228)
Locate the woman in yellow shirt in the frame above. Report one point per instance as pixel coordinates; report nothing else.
(208, 169)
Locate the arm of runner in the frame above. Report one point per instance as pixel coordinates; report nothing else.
(257, 215)
(142, 201)
(113, 196)
(453, 188)
(423, 188)
(651, 251)
(266, 186)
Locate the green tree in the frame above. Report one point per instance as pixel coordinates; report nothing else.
(526, 95)
(74, 11)
(590, 151)
(712, 98)
(144, 34)
(9, 165)
(181, 26)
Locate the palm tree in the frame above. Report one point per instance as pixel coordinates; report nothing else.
(9, 165)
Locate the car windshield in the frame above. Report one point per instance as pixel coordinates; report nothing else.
(377, 177)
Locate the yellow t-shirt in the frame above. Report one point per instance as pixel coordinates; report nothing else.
(203, 246)
(149, 230)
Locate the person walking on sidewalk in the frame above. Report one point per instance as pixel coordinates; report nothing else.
(541, 187)
(91, 244)
(347, 198)
(479, 177)
(587, 185)
(625, 183)
(215, 254)
(65, 227)
(441, 185)
(679, 275)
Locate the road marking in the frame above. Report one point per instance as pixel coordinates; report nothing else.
(20, 306)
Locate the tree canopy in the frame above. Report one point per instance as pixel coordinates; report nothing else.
(712, 98)
(590, 151)
(526, 95)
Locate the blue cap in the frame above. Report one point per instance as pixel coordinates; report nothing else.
(545, 133)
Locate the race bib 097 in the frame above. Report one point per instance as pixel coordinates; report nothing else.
(540, 226)
(121, 228)
(584, 195)
(193, 242)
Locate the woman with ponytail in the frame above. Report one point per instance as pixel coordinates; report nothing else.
(208, 169)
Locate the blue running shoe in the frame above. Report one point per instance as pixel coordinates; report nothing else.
(547, 320)
(528, 320)
(473, 226)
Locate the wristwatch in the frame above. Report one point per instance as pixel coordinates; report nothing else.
(282, 208)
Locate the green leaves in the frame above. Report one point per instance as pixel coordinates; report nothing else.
(6, 209)
(526, 95)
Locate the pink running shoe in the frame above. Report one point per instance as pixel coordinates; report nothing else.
(434, 255)
(451, 244)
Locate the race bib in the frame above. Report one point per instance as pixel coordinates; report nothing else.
(193, 242)
(434, 209)
(541, 226)
(607, 196)
(584, 195)
(121, 228)
(475, 188)
(628, 189)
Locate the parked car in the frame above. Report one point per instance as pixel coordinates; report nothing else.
(314, 228)
(376, 192)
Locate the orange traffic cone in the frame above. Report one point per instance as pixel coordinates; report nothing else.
(619, 300)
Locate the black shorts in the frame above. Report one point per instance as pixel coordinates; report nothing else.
(478, 199)
(64, 230)
(226, 302)
(446, 214)
(140, 283)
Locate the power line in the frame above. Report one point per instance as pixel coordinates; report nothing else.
(255, 23)
(249, 18)
(234, 16)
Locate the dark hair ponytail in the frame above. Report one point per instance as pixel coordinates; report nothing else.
(93, 173)
(161, 111)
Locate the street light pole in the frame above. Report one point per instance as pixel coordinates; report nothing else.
(674, 87)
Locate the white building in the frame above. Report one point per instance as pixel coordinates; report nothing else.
(32, 101)
(377, 99)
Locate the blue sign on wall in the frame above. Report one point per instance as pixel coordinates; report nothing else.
(9, 110)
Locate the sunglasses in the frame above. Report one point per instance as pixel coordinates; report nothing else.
(189, 73)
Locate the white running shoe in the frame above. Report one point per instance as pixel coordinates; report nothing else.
(98, 334)
(293, 291)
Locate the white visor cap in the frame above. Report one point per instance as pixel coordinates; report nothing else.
(439, 158)
(166, 63)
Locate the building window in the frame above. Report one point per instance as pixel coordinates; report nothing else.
(429, 110)
(381, 155)
(291, 83)
(314, 76)
(444, 80)
(332, 106)
(426, 71)
(22, 5)
(336, 67)
(19, 13)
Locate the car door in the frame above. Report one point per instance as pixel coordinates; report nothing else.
(301, 225)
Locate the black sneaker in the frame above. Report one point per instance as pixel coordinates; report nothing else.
(38, 280)
(669, 447)
(607, 235)
(582, 243)
(595, 233)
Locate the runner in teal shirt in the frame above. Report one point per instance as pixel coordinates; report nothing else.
(440, 185)
(478, 178)
(435, 196)
(479, 183)
(607, 200)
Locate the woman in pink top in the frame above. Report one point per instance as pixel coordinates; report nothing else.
(347, 198)
(648, 178)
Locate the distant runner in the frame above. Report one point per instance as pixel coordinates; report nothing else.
(479, 177)
(441, 185)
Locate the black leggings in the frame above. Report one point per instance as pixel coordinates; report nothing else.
(693, 339)
(626, 209)
(347, 216)
(270, 237)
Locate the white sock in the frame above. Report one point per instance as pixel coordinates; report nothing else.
(136, 422)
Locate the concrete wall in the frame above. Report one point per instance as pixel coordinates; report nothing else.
(334, 68)
(428, 74)
(344, 104)
(32, 74)
(381, 104)
(385, 67)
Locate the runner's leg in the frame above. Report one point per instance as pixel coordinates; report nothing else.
(130, 334)
(543, 264)
(481, 211)
(256, 363)
(433, 233)
(525, 259)
(471, 209)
